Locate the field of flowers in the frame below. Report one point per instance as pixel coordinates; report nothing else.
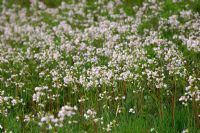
(93, 66)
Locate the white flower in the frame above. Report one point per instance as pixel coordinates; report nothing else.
(67, 111)
(173, 20)
(185, 131)
(13, 102)
(68, 79)
(152, 129)
(131, 110)
(33, 2)
(90, 114)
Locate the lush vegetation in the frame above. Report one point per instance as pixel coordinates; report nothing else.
(130, 66)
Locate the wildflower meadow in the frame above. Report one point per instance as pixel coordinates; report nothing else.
(99, 66)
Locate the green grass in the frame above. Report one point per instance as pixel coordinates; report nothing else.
(142, 124)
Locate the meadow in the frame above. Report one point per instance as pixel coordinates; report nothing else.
(98, 66)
